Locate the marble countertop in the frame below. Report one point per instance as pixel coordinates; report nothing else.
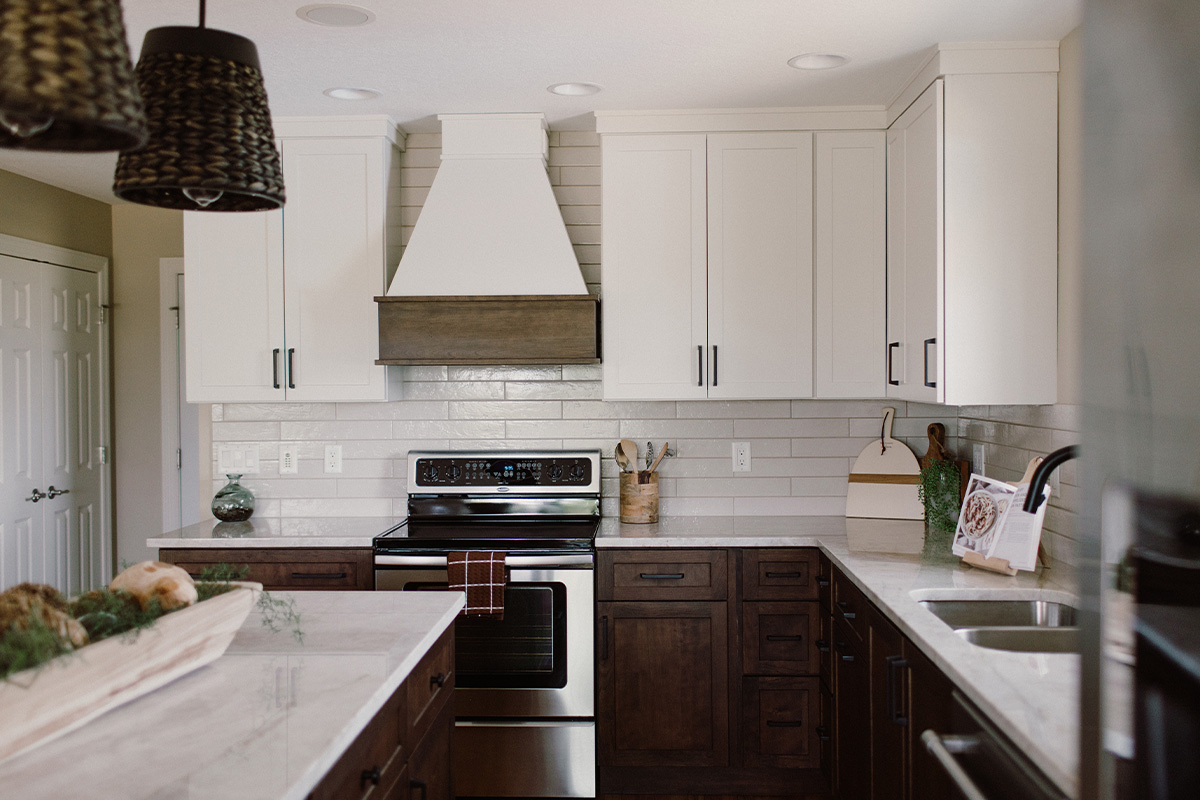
(278, 532)
(1032, 697)
(266, 720)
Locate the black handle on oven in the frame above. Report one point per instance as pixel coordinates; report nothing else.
(661, 576)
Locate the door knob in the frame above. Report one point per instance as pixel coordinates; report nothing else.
(37, 495)
(53, 493)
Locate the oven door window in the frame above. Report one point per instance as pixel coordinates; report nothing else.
(525, 650)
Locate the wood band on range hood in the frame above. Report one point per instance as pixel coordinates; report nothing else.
(489, 330)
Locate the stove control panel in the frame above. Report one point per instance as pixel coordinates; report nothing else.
(473, 470)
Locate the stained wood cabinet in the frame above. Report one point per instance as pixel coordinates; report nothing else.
(707, 267)
(972, 247)
(284, 568)
(278, 305)
(708, 672)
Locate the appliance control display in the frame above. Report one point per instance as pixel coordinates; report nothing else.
(503, 472)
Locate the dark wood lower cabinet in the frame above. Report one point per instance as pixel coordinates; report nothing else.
(780, 721)
(285, 568)
(852, 715)
(929, 708)
(889, 710)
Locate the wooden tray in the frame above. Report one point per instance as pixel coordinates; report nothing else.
(43, 703)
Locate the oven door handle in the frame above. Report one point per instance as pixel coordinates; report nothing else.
(510, 560)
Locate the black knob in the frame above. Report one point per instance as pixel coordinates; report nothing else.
(438, 680)
(431, 473)
(452, 472)
(556, 472)
(371, 775)
(577, 472)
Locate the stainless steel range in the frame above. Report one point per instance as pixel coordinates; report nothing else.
(524, 704)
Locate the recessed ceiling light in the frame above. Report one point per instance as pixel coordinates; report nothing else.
(343, 93)
(817, 61)
(335, 15)
(573, 89)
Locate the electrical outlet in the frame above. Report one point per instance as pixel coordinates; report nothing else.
(978, 461)
(287, 460)
(333, 458)
(741, 456)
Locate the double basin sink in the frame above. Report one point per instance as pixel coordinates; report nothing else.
(1031, 625)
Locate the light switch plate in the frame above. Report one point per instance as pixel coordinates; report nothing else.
(237, 459)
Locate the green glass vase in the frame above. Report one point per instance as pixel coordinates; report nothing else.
(233, 502)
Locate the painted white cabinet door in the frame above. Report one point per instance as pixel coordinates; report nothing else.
(760, 265)
(654, 272)
(280, 303)
(849, 229)
(972, 242)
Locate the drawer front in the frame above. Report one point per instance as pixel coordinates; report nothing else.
(780, 638)
(825, 646)
(285, 568)
(846, 647)
(850, 606)
(779, 574)
(662, 575)
(375, 759)
(780, 721)
(429, 686)
(825, 734)
(825, 581)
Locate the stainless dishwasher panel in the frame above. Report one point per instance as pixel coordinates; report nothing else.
(525, 759)
(982, 763)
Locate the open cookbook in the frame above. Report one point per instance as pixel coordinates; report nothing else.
(992, 523)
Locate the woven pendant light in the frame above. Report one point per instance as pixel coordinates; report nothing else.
(66, 81)
(211, 145)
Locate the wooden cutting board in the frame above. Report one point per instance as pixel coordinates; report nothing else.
(883, 482)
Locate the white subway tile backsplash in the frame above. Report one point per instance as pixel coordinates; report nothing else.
(733, 409)
(410, 409)
(506, 409)
(599, 409)
(505, 373)
(278, 411)
(791, 428)
(789, 506)
(562, 390)
(246, 431)
(447, 429)
(562, 429)
(339, 431)
(674, 429)
(454, 390)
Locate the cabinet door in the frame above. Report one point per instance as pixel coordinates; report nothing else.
(929, 709)
(335, 264)
(429, 773)
(654, 267)
(760, 270)
(663, 684)
(889, 711)
(915, 254)
(780, 721)
(850, 229)
(852, 713)
(233, 315)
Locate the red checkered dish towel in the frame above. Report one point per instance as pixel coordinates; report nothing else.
(481, 574)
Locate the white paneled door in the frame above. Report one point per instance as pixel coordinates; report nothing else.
(52, 519)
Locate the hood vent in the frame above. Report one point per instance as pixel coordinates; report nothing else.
(489, 275)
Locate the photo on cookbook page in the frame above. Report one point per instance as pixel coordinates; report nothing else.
(983, 511)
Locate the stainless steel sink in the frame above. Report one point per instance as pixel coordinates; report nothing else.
(1003, 613)
(1024, 639)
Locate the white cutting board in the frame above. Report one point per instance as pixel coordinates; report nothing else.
(883, 482)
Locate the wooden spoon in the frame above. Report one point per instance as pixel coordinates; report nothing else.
(619, 454)
(631, 454)
(659, 457)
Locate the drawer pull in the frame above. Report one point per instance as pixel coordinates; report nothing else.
(785, 574)
(823, 733)
(796, 638)
(842, 606)
(604, 638)
(661, 576)
(841, 647)
(822, 582)
(371, 775)
(320, 576)
(822, 645)
(439, 680)
(420, 785)
(791, 723)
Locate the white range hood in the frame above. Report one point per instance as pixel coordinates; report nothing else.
(491, 224)
(489, 275)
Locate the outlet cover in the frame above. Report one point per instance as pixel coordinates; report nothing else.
(741, 456)
(333, 458)
(287, 461)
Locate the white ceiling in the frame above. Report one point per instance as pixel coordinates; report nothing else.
(429, 57)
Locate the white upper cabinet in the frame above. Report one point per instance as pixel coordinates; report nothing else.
(279, 305)
(707, 265)
(972, 208)
(851, 263)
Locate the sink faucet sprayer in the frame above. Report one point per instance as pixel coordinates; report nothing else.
(1050, 463)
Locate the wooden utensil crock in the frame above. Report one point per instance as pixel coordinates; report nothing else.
(639, 501)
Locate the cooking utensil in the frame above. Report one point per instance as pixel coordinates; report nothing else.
(659, 457)
(631, 453)
(622, 461)
(885, 478)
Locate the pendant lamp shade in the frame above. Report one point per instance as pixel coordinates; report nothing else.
(211, 145)
(66, 80)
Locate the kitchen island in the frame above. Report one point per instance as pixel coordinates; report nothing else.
(268, 719)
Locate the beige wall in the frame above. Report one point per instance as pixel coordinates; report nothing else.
(1070, 200)
(141, 235)
(44, 213)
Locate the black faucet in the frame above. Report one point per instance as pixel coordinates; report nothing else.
(1050, 463)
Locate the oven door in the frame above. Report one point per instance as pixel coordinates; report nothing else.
(534, 663)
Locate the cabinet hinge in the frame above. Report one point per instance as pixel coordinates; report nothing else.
(178, 458)
(176, 310)
(102, 315)
(102, 454)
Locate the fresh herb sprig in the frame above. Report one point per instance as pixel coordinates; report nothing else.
(938, 491)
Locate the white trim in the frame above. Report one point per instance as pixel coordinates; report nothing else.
(722, 120)
(31, 250)
(345, 127)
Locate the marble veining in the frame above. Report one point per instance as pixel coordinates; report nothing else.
(266, 720)
(278, 532)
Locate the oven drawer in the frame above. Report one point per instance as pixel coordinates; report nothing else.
(789, 574)
(780, 638)
(662, 574)
(554, 758)
(429, 685)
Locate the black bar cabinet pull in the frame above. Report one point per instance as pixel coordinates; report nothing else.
(371, 775)
(291, 374)
(785, 574)
(438, 680)
(822, 582)
(841, 647)
(325, 576)
(604, 638)
(929, 383)
(822, 646)
(661, 576)
(895, 663)
(275, 368)
(842, 606)
(889, 364)
(699, 365)
(420, 785)
(788, 723)
(823, 733)
(714, 365)
(796, 638)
